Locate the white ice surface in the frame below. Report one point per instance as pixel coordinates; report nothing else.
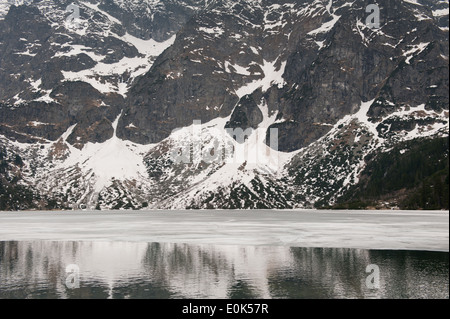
(409, 230)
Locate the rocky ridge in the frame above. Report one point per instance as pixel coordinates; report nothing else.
(97, 108)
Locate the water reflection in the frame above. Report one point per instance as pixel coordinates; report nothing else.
(37, 269)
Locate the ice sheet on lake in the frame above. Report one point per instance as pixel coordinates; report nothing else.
(420, 230)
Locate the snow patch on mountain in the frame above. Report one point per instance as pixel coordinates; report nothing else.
(113, 159)
(105, 77)
(6, 4)
(327, 26)
(96, 8)
(441, 12)
(415, 2)
(233, 164)
(273, 75)
(415, 50)
(134, 67)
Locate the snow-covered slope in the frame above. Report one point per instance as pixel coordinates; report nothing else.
(98, 107)
(107, 69)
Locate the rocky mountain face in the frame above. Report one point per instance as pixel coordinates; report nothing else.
(220, 104)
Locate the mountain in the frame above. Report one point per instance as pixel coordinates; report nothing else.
(170, 104)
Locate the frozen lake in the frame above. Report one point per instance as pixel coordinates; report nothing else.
(224, 254)
(406, 230)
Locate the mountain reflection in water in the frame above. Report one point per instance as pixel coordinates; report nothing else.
(37, 269)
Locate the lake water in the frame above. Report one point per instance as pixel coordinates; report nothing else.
(266, 254)
(154, 270)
